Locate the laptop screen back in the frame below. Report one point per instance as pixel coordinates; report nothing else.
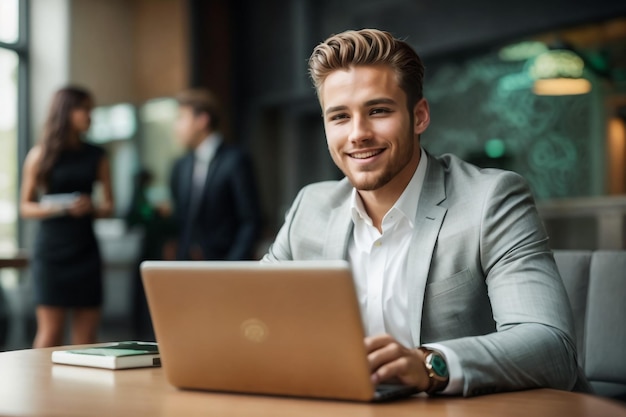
(291, 328)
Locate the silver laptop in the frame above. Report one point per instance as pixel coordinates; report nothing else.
(292, 328)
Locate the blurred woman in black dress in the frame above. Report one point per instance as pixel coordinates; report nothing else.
(58, 179)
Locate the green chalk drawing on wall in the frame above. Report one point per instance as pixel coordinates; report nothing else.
(547, 139)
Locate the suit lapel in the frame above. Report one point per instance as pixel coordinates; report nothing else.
(339, 230)
(204, 192)
(185, 181)
(428, 220)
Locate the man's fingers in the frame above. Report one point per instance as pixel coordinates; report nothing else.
(386, 354)
(395, 362)
(398, 368)
(389, 360)
(373, 343)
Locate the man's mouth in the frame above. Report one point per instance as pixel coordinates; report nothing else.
(365, 155)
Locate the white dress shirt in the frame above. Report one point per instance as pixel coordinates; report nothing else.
(203, 155)
(379, 265)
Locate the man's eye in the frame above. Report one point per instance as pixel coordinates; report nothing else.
(339, 116)
(380, 111)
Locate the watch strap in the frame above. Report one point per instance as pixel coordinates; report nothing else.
(436, 369)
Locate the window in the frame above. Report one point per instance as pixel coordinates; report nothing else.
(9, 21)
(8, 144)
(12, 122)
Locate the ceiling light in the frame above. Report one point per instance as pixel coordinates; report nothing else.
(561, 86)
(522, 51)
(558, 73)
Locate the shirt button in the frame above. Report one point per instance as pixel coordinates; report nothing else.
(377, 243)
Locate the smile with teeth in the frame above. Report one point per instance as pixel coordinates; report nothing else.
(365, 155)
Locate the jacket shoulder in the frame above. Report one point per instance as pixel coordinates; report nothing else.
(326, 193)
(473, 178)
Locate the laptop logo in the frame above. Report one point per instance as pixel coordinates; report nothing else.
(254, 330)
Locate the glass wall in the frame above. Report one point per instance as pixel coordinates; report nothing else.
(9, 27)
(10, 45)
(8, 144)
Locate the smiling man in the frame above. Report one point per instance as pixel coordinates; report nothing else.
(457, 285)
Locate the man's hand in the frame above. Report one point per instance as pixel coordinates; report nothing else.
(390, 360)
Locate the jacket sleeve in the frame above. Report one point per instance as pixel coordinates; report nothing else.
(533, 345)
(280, 250)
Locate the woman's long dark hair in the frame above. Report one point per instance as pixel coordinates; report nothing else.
(58, 128)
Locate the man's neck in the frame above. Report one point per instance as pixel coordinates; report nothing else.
(378, 202)
(199, 139)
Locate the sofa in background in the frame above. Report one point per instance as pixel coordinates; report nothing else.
(595, 282)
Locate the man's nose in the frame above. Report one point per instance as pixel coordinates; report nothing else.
(361, 129)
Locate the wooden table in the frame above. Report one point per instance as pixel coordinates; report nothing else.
(30, 385)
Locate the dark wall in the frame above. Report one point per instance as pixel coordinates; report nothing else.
(212, 49)
(276, 36)
(274, 109)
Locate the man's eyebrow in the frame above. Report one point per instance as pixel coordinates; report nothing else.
(369, 103)
(334, 109)
(377, 101)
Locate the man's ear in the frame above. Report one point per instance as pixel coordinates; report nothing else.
(421, 116)
(203, 120)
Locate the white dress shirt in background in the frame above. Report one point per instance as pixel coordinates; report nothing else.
(203, 155)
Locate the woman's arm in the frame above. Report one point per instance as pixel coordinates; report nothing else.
(105, 207)
(29, 207)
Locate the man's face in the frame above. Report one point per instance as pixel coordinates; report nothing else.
(190, 128)
(371, 135)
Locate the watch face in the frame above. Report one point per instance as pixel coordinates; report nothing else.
(439, 365)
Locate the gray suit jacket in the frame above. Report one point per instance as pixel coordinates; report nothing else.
(493, 293)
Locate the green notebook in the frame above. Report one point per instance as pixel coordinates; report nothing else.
(119, 355)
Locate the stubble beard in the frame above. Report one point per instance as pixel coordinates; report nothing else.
(389, 171)
(377, 181)
(374, 183)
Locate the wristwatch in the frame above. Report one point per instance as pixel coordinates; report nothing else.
(437, 370)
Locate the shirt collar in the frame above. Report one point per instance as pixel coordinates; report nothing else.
(207, 148)
(406, 203)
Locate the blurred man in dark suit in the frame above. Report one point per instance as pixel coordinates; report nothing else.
(216, 206)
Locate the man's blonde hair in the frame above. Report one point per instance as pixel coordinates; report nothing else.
(369, 47)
